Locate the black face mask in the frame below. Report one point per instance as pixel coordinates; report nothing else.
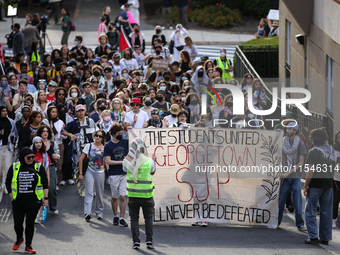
(229, 104)
(119, 137)
(160, 99)
(136, 30)
(158, 31)
(155, 122)
(194, 102)
(96, 73)
(167, 78)
(58, 68)
(158, 52)
(200, 74)
(7, 64)
(102, 108)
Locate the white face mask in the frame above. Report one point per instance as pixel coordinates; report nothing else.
(125, 75)
(185, 87)
(74, 95)
(183, 98)
(162, 87)
(222, 54)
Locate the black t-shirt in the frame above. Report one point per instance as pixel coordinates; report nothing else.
(78, 51)
(5, 125)
(107, 19)
(100, 51)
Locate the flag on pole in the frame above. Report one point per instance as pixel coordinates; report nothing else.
(124, 42)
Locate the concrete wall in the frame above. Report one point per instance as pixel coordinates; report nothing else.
(324, 40)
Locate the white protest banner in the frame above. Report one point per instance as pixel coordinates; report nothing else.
(204, 174)
(159, 64)
(273, 14)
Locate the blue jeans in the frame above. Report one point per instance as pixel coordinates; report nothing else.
(325, 198)
(293, 185)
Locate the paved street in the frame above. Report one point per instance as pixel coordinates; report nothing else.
(68, 233)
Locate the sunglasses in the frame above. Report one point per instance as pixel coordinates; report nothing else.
(178, 101)
(134, 104)
(30, 157)
(154, 112)
(52, 86)
(94, 82)
(61, 94)
(134, 82)
(100, 136)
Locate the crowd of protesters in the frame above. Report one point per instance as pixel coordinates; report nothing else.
(76, 105)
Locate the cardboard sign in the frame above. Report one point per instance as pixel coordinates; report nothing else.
(199, 175)
(159, 64)
(273, 14)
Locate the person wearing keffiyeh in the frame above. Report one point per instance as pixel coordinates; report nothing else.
(139, 167)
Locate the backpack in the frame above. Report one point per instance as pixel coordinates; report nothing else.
(117, 23)
(72, 26)
(10, 38)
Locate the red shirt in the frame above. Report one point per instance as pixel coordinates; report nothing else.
(39, 157)
(50, 99)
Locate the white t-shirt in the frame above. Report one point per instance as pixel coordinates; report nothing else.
(171, 120)
(141, 118)
(131, 64)
(117, 68)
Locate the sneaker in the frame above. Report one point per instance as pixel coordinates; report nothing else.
(17, 244)
(87, 217)
(197, 223)
(70, 182)
(204, 224)
(122, 223)
(56, 211)
(115, 220)
(323, 242)
(99, 217)
(136, 246)
(57, 188)
(334, 223)
(149, 245)
(62, 183)
(312, 241)
(302, 228)
(29, 250)
(170, 27)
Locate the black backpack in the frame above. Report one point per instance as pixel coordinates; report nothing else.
(117, 23)
(10, 38)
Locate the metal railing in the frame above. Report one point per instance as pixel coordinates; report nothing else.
(306, 123)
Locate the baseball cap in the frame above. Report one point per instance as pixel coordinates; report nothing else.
(174, 109)
(116, 55)
(80, 107)
(205, 57)
(69, 69)
(293, 125)
(53, 84)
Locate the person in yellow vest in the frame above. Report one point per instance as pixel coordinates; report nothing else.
(225, 64)
(139, 167)
(27, 186)
(57, 68)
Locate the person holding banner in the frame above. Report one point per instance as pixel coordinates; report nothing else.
(294, 151)
(139, 168)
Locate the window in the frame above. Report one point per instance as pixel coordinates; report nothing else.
(330, 84)
(288, 37)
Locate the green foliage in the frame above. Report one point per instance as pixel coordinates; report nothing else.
(175, 14)
(220, 22)
(5, 3)
(263, 55)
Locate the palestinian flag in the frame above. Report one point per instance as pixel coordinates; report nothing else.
(124, 42)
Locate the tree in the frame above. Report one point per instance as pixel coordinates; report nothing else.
(5, 3)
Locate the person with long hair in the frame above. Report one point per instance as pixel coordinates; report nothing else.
(19, 58)
(42, 75)
(178, 37)
(56, 126)
(29, 129)
(208, 64)
(56, 53)
(247, 81)
(89, 55)
(137, 38)
(190, 47)
(65, 52)
(34, 54)
(185, 62)
(41, 85)
(65, 26)
(259, 95)
(261, 32)
(26, 201)
(102, 29)
(117, 110)
(52, 150)
(41, 102)
(106, 14)
(193, 102)
(94, 175)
